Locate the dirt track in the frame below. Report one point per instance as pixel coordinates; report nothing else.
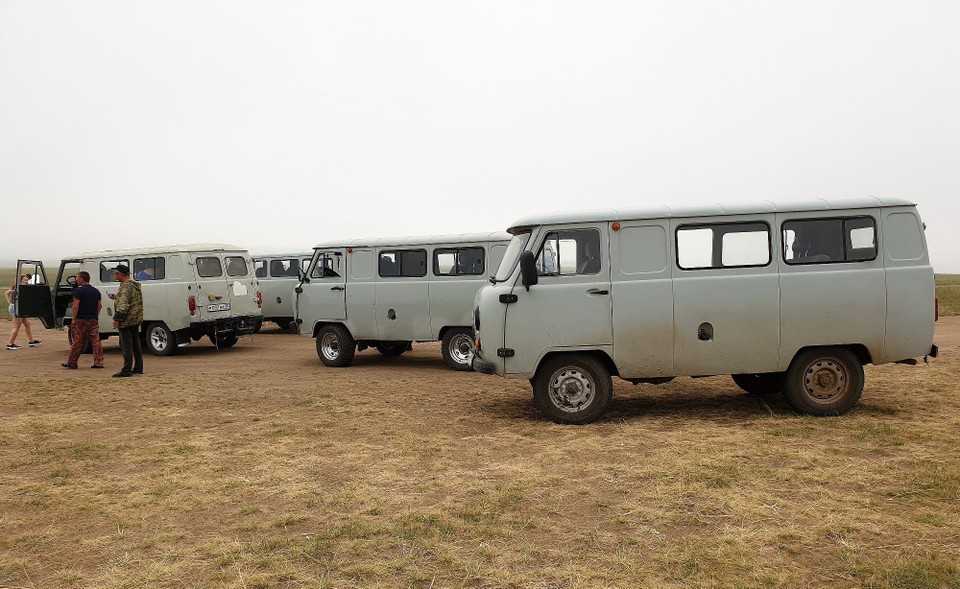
(258, 467)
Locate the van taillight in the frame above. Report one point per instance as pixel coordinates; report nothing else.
(192, 303)
(936, 308)
(259, 299)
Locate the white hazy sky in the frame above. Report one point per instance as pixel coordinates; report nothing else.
(275, 125)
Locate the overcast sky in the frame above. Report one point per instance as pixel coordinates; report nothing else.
(276, 125)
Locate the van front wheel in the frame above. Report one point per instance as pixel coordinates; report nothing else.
(760, 384)
(335, 346)
(160, 340)
(572, 389)
(824, 381)
(457, 348)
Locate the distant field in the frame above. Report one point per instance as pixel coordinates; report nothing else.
(948, 291)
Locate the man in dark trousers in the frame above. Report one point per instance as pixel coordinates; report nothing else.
(85, 322)
(127, 317)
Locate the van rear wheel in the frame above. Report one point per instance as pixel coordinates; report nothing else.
(457, 348)
(160, 340)
(824, 381)
(572, 389)
(224, 341)
(335, 346)
(767, 383)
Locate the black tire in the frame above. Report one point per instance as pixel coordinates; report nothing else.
(159, 340)
(572, 389)
(257, 326)
(391, 349)
(457, 348)
(87, 347)
(224, 341)
(284, 324)
(824, 381)
(335, 346)
(766, 383)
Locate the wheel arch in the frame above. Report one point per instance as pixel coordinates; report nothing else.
(321, 324)
(600, 355)
(859, 350)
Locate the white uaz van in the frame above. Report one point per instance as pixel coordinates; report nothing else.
(278, 274)
(189, 292)
(387, 293)
(793, 297)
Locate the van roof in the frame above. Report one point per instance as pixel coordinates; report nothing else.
(283, 254)
(422, 240)
(705, 210)
(163, 249)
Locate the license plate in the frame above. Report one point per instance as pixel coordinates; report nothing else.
(218, 307)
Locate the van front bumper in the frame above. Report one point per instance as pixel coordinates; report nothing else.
(481, 365)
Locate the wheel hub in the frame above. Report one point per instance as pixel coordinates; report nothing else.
(824, 380)
(571, 390)
(330, 346)
(461, 349)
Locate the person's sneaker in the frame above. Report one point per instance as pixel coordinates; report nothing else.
(13, 347)
(70, 366)
(122, 374)
(33, 343)
(138, 371)
(98, 366)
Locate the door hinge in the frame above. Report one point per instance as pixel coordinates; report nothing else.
(505, 352)
(508, 298)
(298, 290)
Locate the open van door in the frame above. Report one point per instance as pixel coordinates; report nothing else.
(34, 299)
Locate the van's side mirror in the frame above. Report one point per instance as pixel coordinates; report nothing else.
(528, 269)
(72, 280)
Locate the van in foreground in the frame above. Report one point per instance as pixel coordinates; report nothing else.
(792, 297)
(189, 292)
(387, 293)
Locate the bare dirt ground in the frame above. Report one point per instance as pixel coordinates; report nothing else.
(258, 467)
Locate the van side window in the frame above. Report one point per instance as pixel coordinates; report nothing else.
(726, 245)
(818, 241)
(209, 267)
(149, 269)
(106, 269)
(260, 267)
(411, 263)
(284, 268)
(465, 261)
(570, 252)
(236, 266)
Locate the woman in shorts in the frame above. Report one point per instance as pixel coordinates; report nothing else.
(17, 320)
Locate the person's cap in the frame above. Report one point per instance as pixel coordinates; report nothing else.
(123, 269)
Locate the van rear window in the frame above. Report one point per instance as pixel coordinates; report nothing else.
(236, 266)
(260, 268)
(209, 267)
(726, 245)
(820, 241)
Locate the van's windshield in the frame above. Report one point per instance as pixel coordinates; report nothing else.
(510, 257)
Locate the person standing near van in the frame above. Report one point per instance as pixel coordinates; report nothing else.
(127, 317)
(85, 322)
(18, 320)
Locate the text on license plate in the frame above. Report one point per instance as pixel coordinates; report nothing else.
(218, 307)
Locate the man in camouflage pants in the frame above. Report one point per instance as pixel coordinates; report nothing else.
(85, 322)
(127, 317)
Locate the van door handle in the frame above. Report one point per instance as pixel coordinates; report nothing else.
(597, 291)
(336, 288)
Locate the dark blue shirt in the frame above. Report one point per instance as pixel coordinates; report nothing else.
(88, 297)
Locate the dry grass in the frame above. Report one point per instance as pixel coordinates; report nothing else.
(257, 467)
(948, 291)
